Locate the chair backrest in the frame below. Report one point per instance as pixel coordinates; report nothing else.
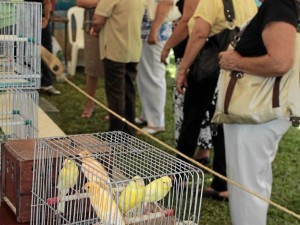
(78, 14)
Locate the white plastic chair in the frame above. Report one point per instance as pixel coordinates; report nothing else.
(78, 43)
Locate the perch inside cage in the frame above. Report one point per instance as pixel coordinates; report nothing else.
(112, 178)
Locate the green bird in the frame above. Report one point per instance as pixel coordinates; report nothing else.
(157, 189)
(132, 195)
(67, 179)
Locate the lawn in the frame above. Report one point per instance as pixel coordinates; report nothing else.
(286, 186)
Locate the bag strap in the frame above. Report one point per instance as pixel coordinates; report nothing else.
(276, 92)
(234, 75)
(238, 36)
(229, 10)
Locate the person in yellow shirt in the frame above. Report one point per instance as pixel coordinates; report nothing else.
(208, 20)
(118, 23)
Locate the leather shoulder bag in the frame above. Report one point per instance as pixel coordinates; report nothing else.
(250, 99)
(206, 65)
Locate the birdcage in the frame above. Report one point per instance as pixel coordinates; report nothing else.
(112, 178)
(18, 114)
(20, 40)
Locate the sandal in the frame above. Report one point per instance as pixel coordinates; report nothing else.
(87, 112)
(152, 130)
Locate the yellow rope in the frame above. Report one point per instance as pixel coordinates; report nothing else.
(181, 154)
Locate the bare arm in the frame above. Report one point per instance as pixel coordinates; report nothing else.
(162, 11)
(181, 30)
(279, 39)
(87, 3)
(47, 8)
(47, 11)
(195, 43)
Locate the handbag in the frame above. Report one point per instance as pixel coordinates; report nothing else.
(206, 65)
(174, 13)
(250, 99)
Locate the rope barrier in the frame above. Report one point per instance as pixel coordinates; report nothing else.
(284, 209)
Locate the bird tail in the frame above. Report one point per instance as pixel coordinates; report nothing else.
(61, 201)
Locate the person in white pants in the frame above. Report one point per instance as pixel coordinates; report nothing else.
(266, 48)
(151, 84)
(151, 81)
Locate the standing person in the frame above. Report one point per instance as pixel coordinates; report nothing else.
(151, 81)
(208, 20)
(119, 23)
(47, 76)
(93, 65)
(266, 49)
(178, 41)
(203, 139)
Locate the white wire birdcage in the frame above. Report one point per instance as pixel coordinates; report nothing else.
(18, 114)
(20, 43)
(112, 178)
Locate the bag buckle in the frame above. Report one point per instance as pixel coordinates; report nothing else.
(237, 74)
(214, 129)
(235, 40)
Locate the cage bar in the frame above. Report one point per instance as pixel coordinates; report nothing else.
(20, 43)
(18, 114)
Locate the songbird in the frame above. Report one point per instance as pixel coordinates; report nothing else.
(132, 195)
(104, 205)
(67, 179)
(93, 170)
(157, 189)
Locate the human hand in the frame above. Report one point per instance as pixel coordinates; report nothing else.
(93, 32)
(181, 81)
(152, 38)
(229, 60)
(164, 55)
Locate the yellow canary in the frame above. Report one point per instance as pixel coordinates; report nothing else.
(104, 204)
(67, 179)
(158, 189)
(93, 170)
(132, 195)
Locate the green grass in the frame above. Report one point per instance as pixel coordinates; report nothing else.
(286, 185)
